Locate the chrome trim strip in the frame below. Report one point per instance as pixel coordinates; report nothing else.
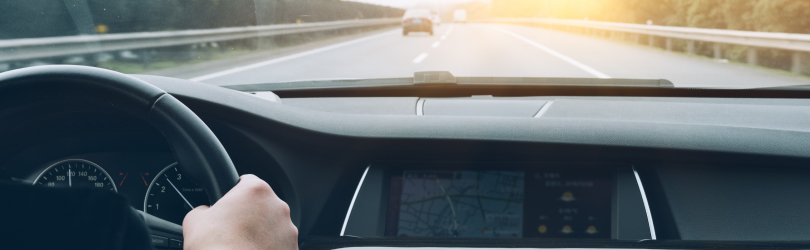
(420, 105)
(351, 205)
(646, 205)
(543, 109)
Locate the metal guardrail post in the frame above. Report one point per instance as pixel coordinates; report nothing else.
(718, 53)
(690, 47)
(796, 63)
(146, 58)
(669, 44)
(752, 56)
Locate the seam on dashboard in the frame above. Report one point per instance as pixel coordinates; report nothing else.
(543, 109)
(351, 205)
(646, 205)
(420, 106)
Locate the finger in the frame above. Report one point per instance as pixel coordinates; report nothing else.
(249, 179)
(248, 176)
(253, 183)
(250, 188)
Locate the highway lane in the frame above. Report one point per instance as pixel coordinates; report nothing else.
(497, 50)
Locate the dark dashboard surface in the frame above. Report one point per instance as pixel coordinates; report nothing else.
(713, 169)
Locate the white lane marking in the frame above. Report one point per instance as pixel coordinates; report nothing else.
(351, 205)
(420, 57)
(565, 58)
(449, 30)
(436, 44)
(285, 58)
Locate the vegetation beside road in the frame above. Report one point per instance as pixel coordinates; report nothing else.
(787, 16)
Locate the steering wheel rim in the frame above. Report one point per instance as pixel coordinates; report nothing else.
(198, 151)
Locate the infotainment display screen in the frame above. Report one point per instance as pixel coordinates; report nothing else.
(568, 203)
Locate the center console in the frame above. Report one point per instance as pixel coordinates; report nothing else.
(499, 200)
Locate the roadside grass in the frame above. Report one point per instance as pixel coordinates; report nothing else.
(136, 67)
(703, 57)
(208, 54)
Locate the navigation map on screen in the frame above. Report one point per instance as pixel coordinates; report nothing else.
(536, 203)
(461, 204)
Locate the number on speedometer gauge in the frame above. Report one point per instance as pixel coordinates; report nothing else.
(171, 195)
(75, 173)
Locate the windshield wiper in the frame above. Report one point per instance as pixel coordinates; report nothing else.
(444, 84)
(447, 80)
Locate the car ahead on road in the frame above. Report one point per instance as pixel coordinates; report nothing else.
(417, 20)
(460, 16)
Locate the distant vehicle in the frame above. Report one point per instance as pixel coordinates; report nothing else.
(460, 16)
(417, 20)
(436, 19)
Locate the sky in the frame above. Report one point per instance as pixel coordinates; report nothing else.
(405, 4)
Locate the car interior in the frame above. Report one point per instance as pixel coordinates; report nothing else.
(584, 163)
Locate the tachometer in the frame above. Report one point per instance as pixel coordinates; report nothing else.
(171, 195)
(76, 173)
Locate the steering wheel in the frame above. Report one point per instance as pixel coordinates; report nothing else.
(198, 151)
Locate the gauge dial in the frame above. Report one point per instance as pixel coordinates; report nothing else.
(75, 173)
(171, 195)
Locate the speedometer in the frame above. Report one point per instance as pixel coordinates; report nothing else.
(171, 195)
(75, 173)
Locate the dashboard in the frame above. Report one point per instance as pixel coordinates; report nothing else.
(459, 171)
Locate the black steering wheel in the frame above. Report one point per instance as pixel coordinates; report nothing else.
(198, 151)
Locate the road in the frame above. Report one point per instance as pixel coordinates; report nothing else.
(504, 50)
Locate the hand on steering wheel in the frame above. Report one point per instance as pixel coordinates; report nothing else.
(250, 216)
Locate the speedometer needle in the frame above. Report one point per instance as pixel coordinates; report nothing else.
(70, 180)
(178, 192)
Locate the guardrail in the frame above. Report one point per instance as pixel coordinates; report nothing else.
(794, 42)
(34, 48)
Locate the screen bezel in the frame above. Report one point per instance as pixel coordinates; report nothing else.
(390, 169)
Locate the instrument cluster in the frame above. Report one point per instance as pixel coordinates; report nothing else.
(151, 181)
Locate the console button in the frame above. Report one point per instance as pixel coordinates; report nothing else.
(160, 242)
(176, 243)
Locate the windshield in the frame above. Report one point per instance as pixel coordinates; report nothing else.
(692, 43)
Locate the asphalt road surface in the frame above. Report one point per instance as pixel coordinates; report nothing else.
(495, 50)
